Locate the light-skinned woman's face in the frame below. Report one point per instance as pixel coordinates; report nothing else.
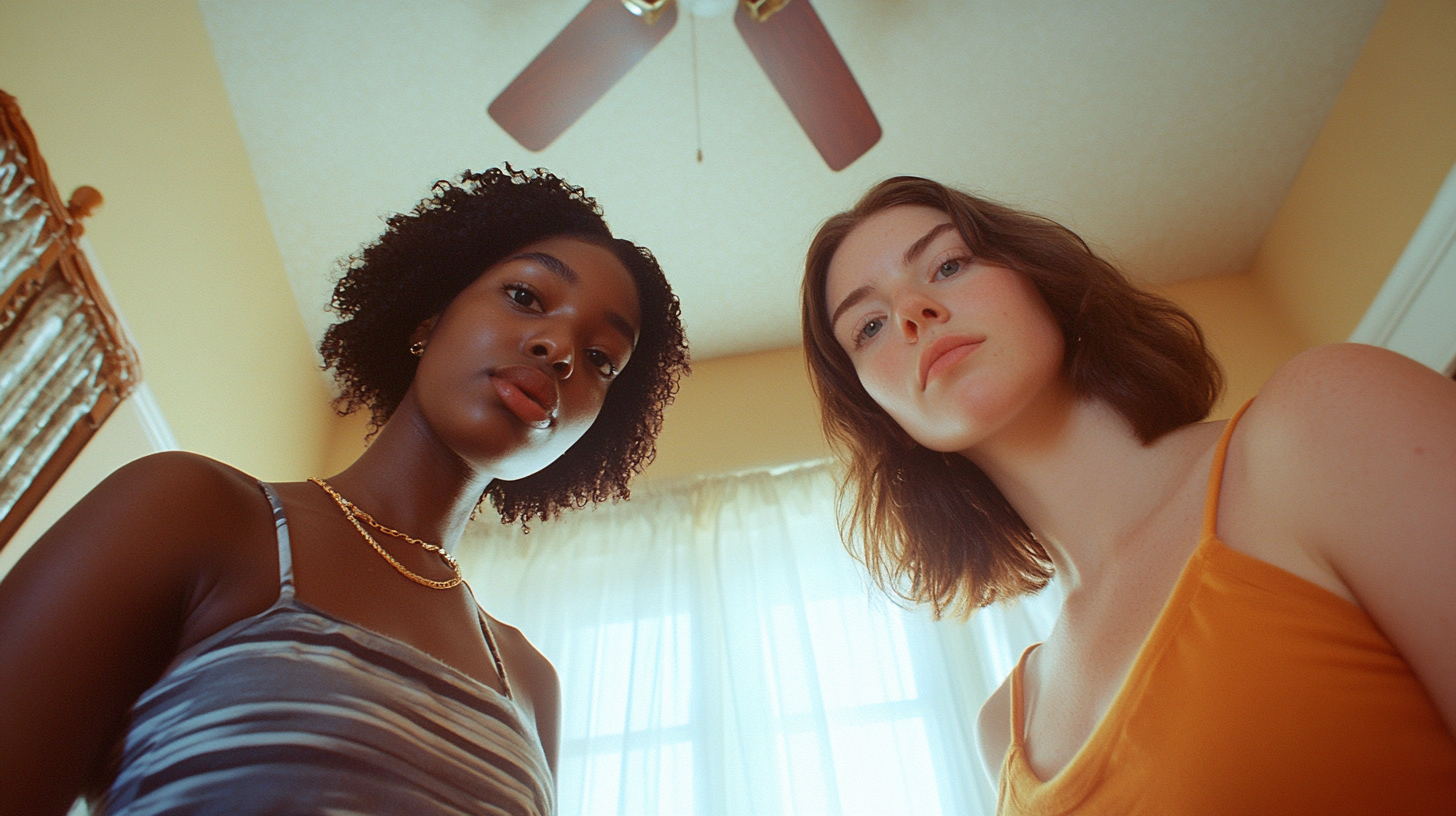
(517, 367)
(953, 348)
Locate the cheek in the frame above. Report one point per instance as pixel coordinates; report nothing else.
(1044, 339)
(579, 410)
(887, 383)
(577, 424)
(878, 376)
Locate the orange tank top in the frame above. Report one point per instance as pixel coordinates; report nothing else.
(1256, 692)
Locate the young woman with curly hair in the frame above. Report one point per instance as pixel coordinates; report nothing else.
(205, 642)
(1260, 613)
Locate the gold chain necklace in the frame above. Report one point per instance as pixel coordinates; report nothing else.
(353, 514)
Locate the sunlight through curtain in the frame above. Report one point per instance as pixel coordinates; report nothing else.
(720, 653)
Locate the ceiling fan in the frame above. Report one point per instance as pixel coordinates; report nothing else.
(608, 37)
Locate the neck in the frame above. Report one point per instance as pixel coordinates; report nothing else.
(1083, 481)
(407, 479)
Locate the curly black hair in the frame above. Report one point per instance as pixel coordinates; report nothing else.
(428, 256)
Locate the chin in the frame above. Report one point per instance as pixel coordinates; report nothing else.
(977, 419)
(946, 443)
(509, 468)
(532, 456)
(942, 437)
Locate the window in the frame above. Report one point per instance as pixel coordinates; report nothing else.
(720, 653)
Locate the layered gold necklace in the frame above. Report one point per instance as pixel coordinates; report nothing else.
(354, 515)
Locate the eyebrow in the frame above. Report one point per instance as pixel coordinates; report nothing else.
(552, 263)
(620, 324)
(566, 273)
(919, 246)
(852, 298)
(910, 255)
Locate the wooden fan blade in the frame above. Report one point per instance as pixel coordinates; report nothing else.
(801, 61)
(586, 59)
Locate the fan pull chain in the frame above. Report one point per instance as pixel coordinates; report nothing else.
(697, 106)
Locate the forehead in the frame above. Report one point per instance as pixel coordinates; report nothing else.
(877, 247)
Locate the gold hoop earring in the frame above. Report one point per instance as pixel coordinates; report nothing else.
(417, 348)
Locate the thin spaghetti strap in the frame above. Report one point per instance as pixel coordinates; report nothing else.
(285, 552)
(495, 655)
(1215, 474)
(500, 665)
(1018, 698)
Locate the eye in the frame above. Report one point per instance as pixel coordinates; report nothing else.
(603, 363)
(949, 268)
(523, 296)
(867, 330)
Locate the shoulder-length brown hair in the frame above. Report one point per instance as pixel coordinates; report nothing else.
(932, 527)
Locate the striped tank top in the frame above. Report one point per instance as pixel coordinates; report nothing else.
(296, 711)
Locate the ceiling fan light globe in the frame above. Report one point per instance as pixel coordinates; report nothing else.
(648, 10)
(708, 8)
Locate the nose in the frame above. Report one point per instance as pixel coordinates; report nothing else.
(556, 355)
(914, 313)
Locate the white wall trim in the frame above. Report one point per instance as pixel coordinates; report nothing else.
(154, 424)
(1415, 311)
(159, 433)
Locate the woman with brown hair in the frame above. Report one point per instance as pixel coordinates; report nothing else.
(1260, 614)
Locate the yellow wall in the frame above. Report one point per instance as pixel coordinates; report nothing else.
(740, 412)
(1386, 147)
(1382, 154)
(126, 97)
(1248, 333)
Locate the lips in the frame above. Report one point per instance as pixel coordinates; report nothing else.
(527, 392)
(944, 353)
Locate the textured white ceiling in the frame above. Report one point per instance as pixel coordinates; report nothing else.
(1166, 132)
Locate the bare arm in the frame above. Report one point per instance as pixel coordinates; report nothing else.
(90, 617)
(1368, 485)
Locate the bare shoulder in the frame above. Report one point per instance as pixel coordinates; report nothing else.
(993, 730)
(178, 484)
(1340, 415)
(1353, 452)
(175, 475)
(526, 662)
(1349, 411)
(1346, 391)
(1345, 444)
(154, 513)
(144, 548)
(94, 611)
(532, 675)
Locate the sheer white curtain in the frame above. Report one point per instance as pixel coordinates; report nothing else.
(720, 653)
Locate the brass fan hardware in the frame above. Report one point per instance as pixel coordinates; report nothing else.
(761, 10)
(648, 10)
